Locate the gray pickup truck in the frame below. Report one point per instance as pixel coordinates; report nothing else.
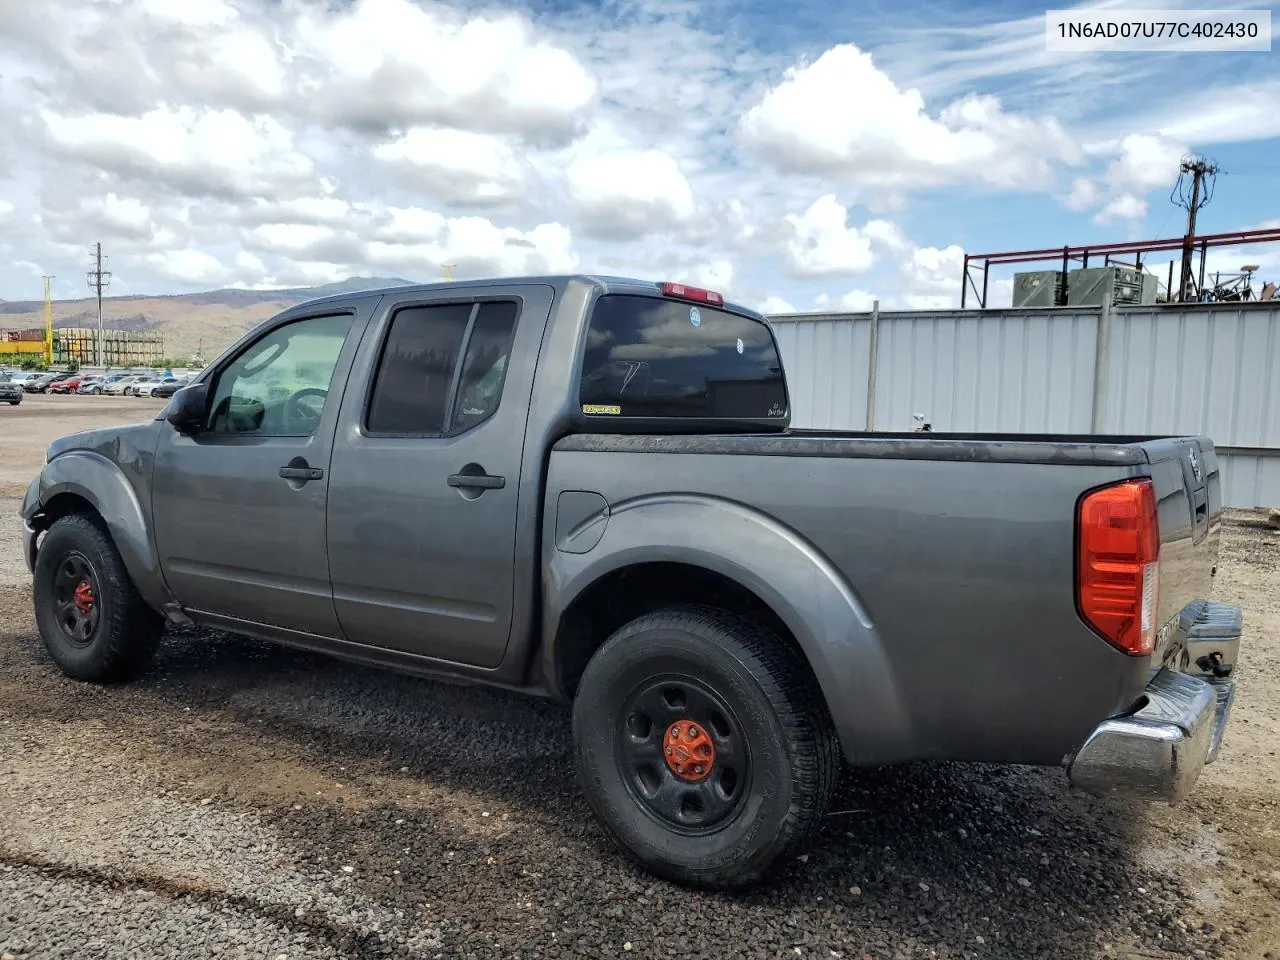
(588, 488)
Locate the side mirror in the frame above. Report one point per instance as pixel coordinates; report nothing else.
(188, 407)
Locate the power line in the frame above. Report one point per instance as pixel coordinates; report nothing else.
(99, 280)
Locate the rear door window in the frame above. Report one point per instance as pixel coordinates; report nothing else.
(651, 357)
(421, 388)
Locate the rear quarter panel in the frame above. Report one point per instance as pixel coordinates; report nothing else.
(964, 569)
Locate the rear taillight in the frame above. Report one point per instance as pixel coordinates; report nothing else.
(681, 291)
(1118, 568)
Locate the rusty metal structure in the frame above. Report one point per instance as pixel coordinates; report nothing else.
(1104, 254)
(79, 345)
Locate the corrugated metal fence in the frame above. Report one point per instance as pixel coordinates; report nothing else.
(1210, 369)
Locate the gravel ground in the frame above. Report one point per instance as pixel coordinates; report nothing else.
(247, 801)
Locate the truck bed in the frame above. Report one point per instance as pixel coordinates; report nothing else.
(968, 578)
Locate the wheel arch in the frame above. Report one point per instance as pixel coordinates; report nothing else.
(88, 483)
(665, 550)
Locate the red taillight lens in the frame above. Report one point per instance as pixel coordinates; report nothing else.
(1118, 569)
(683, 292)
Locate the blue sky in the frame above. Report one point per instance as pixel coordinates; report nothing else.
(802, 156)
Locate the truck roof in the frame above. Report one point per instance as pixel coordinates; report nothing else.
(608, 284)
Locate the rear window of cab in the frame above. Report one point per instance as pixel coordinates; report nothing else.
(659, 358)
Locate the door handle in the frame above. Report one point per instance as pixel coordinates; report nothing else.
(478, 481)
(301, 473)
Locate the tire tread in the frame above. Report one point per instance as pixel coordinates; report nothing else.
(809, 734)
(134, 630)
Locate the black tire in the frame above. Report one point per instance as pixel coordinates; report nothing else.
(14, 403)
(120, 633)
(757, 703)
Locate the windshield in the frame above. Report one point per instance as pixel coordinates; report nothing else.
(652, 357)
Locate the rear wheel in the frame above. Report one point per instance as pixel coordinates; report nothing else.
(703, 745)
(92, 620)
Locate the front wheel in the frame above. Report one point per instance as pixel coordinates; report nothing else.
(703, 746)
(92, 620)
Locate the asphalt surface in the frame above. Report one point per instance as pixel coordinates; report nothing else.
(242, 800)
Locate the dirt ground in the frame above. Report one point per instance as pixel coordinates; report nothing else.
(242, 800)
(25, 430)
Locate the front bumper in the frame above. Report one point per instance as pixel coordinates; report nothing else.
(30, 507)
(1158, 751)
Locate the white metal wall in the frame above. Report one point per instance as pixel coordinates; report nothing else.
(1194, 369)
(834, 353)
(1007, 372)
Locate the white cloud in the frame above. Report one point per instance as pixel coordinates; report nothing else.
(822, 243)
(305, 241)
(422, 241)
(189, 266)
(457, 166)
(931, 278)
(290, 142)
(1124, 207)
(625, 193)
(844, 118)
(773, 305)
(1145, 163)
(1223, 114)
(248, 265)
(1142, 163)
(191, 13)
(717, 275)
(387, 63)
(219, 152)
(1083, 195)
(855, 301)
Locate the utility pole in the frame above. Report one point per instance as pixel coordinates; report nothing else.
(48, 318)
(99, 280)
(1199, 168)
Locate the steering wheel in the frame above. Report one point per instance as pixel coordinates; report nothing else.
(305, 416)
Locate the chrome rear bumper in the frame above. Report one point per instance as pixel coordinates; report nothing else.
(1158, 751)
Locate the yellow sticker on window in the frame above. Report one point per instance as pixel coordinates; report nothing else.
(606, 408)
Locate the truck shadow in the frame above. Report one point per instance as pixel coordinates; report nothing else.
(941, 859)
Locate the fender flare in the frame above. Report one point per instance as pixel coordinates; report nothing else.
(103, 485)
(787, 572)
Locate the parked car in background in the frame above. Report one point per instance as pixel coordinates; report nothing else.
(168, 388)
(121, 386)
(96, 386)
(10, 390)
(67, 383)
(40, 383)
(144, 388)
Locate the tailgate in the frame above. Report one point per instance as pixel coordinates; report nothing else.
(1189, 503)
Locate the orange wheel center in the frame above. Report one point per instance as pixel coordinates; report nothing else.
(689, 751)
(83, 597)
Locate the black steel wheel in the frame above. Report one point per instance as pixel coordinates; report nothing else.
(75, 598)
(92, 620)
(703, 745)
(684, 753)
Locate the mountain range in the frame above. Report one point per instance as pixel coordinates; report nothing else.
(192, 324)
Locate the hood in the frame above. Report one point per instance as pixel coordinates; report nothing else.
(118, 444)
